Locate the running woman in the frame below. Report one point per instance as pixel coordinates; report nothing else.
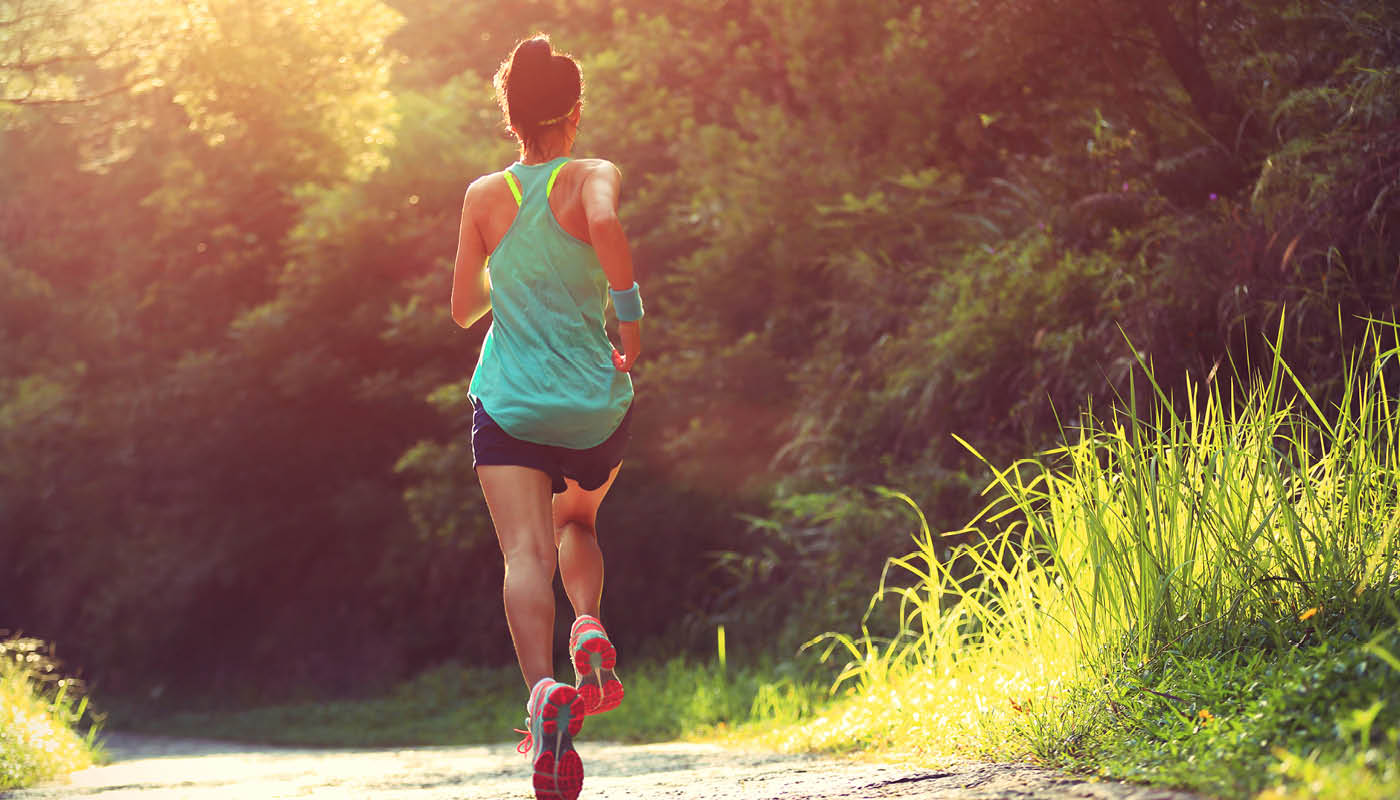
(551, 396)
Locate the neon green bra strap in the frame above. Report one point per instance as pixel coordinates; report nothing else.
(552, 177)
(514, 187)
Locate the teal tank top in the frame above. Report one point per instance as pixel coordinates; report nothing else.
(545, 373)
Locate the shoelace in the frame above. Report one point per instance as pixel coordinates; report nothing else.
(529, 741)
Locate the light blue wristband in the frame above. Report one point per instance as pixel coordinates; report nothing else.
(628, 304)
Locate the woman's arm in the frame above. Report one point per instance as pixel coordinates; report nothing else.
(600, 192)
(471, 283)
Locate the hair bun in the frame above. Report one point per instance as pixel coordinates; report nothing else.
(535, 86)
(533, 55)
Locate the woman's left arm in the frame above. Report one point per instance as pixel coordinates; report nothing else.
(471, 283)
(599, 194)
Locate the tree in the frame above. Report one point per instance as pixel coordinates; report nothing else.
(75, 51)
(152, 232)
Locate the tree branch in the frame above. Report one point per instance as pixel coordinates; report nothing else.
(45, 15)
(29, 100)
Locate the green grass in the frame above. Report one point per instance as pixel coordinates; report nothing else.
(452, 705)
(1203, 599)
(1235, 722)
(39, 718)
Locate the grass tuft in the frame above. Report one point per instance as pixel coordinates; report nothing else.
(1201, 597)
(40, 713)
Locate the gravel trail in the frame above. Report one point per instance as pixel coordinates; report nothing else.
(155, 768)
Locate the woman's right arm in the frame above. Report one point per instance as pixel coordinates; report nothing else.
(471, 283)
(600, 193)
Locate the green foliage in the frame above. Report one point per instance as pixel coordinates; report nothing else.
(1235, 724)
(225, 248)
(1321, 227)
(808, 563)
(164, 412)
(1177, 598)
(41, 712)
(452, 705)
(1192, 524)
(65, 51)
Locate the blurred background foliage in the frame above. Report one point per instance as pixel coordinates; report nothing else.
(234, 439)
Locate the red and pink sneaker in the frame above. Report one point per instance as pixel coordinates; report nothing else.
(553, 717)
(594, 660)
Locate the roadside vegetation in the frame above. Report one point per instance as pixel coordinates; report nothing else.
(1205, 599)
(453, 705)
(41, 716)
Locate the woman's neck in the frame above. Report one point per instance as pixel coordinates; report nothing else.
(550, 148)
(541, 155)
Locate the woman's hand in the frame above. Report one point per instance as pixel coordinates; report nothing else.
(631, 333)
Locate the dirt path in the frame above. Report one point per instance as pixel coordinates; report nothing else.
(151, 768)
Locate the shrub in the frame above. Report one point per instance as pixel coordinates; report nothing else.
(40, 712)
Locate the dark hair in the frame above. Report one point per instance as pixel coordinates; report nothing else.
(537, 87)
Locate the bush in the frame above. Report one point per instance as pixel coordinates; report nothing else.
(40, 712)
(1203, 598)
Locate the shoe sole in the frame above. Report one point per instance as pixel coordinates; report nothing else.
(594, 660)
(558, 770)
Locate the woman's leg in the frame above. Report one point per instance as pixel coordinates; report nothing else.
(581, 562)
(519, 501)
(575, 521)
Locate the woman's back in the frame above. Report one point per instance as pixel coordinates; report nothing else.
(546, 373)
(497, 208)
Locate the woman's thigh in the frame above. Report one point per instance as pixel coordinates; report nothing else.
(519, 501)
(579, 505)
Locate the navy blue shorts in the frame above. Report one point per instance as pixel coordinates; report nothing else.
(493, 447)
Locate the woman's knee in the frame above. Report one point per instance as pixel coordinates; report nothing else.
(529, 554)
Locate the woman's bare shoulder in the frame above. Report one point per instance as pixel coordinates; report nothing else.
(487, 192)
(487, 184)
(597, 166)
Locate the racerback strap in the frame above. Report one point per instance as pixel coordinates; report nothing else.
(514, 184)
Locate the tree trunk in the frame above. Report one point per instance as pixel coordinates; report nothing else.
(1217, 112)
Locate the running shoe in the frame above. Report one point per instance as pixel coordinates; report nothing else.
(594, 660)
(554, 716)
